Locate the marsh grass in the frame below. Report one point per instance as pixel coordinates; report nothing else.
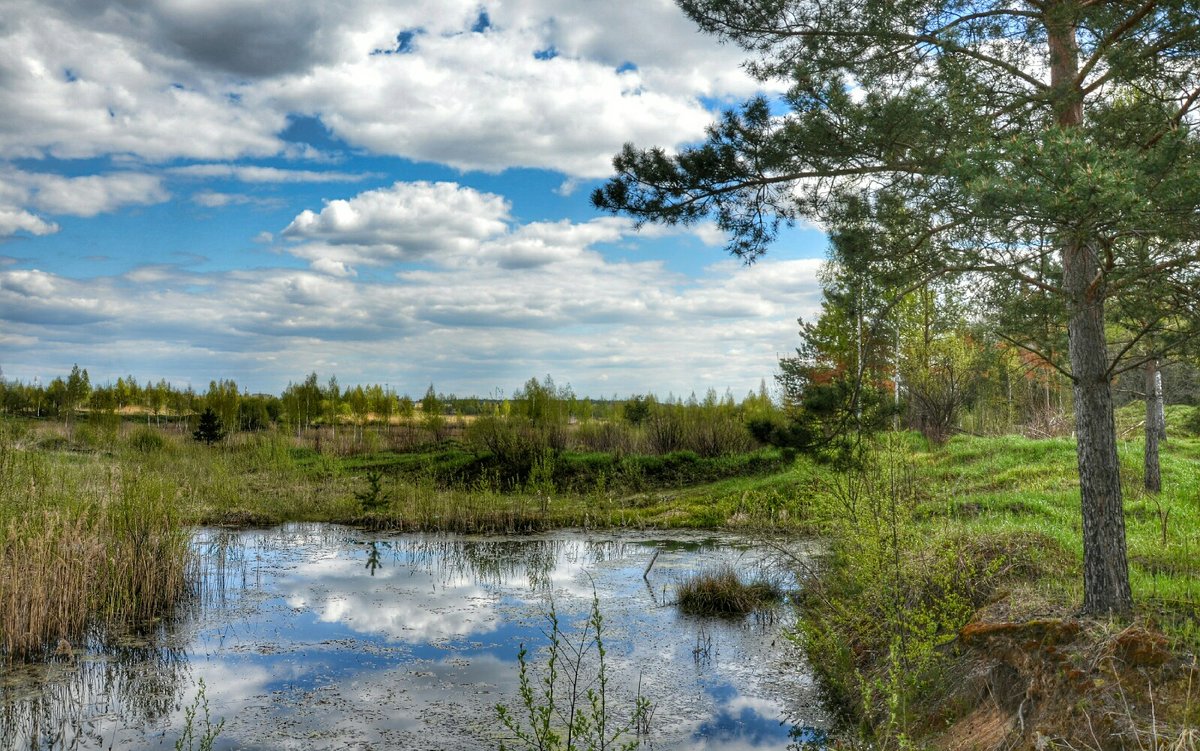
(83, 545)
(722, 591)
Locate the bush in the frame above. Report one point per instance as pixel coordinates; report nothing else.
(147, 440)
(610, 437)
(1192, 423)
(514, 446)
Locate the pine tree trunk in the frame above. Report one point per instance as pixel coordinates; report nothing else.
(1105, 570)
(1153, 477)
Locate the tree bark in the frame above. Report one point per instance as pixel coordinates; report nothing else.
(1153, 475)
(1159, 407)
(1105, 569)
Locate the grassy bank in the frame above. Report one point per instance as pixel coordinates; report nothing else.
(946, 613)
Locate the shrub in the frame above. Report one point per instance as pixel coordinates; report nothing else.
(147, 440)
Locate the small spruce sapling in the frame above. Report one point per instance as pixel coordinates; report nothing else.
(210, 430)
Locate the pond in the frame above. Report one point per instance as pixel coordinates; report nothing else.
(318, 636)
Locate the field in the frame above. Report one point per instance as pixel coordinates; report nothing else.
(940, 557)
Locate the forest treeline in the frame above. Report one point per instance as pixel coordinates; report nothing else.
(926, 367)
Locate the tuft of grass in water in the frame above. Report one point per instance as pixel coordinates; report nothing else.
(721, 591)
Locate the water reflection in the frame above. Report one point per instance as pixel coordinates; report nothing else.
(83, 704)
(314, 636)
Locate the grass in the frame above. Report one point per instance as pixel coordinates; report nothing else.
(82, 546)
(927, 540)
(94, 531)
(721, 591)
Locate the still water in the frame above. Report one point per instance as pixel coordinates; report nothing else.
(323, 637)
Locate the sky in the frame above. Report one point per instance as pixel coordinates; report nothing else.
(389, 191)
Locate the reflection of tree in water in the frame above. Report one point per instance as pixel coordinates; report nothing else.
(497, 561)
(223, 565)
(59, 706)
(373, 561)
(231, 562)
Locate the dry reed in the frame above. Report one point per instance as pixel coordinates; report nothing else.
(76, 555)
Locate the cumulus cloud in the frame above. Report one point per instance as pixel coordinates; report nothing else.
(545, 84)
(403, 222)
(13, 220)
(569, 115)
(163, 93)
(86, 92)
(444, 223)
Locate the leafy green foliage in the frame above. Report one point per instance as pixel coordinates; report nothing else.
(569, 707)
(373, 498)
(1043, 146)
(196, 717)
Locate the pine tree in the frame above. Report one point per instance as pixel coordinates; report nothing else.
(210, 430)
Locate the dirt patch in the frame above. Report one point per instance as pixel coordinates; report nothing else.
(1063, 682)
(983, 729)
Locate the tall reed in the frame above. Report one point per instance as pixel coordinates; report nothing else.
(81, 546)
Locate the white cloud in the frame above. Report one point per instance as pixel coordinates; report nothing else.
(441, 272)
(604, 326)
(444, 223)
(13, 220)
(84, 196)
(214, 200)
(710, 234)
(218, 80)
(561, 114)
(93, 194)
(333, 268)
(403, 222)
(254, 174)
(85, 92)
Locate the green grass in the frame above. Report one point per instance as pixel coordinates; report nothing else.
(927, 540)
(995, 489)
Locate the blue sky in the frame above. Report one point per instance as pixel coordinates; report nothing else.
(392, 192)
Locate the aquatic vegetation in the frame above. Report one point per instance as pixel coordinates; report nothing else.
(83, 548)
(722, 591)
